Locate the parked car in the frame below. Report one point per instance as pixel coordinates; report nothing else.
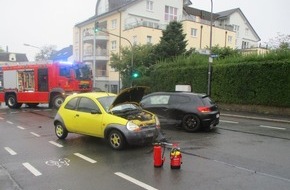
(192, 111)
(119, 119)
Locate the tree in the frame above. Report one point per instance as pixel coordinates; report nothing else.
(223, 52)
(1, 50)
(144, 58)
(45, 52)
(281, 41)
(172, 43)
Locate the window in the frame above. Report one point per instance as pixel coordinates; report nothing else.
(134, 40)
(72, 104)
(247, 31)
(149, 5)
(114, 45)
(230, 39)
(114, 24)
(87, 105)
(170, 13)
(64, 71)
(155, 100)
(245, 45)
(194, 32)
(149, 39)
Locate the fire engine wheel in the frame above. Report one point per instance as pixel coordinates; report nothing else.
(12, 102)
(57, 101)
(191, 123)
(116, 140)
(60, 131)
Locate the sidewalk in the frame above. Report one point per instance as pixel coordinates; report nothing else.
(256, 116)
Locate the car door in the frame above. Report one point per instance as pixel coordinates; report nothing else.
(89, 118)
(157, 104)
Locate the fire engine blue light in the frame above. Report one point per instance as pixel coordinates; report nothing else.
(65, 62)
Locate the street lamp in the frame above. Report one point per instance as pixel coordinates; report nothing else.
(44, 56)
(97, 28)
(32, 46)
(210, 59)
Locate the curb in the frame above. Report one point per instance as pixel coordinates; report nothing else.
(257, 118)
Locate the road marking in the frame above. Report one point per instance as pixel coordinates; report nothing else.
(135, 181)
(225, 121)
(85, 158)
(56, 144)
(270, 127)
(12, 152)
(10, 122)
(1, 118)
(35, 134)
(19, 127)
(32, 169)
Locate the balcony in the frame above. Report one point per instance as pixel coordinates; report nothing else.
(148, 24)
(89, 36)
(101, 55)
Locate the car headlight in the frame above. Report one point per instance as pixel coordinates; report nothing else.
(132, 126)
(157, 122)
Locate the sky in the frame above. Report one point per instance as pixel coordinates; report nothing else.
(42, 23)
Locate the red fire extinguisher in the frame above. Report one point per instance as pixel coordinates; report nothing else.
(158, 155)
(175, 158)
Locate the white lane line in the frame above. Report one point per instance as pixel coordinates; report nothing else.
(270, 127)
(12, 152)
(10, 122)
(85, 158)
(32, 169)
(135, 181)
(226, 121)
(35, 134)
(56, 144)
(19, 127)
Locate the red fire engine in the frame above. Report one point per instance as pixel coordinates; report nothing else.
(42, 83)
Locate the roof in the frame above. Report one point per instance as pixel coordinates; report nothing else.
(62, 54)
(226, 14)
(113, 7)
(200, 13)
(13, 57)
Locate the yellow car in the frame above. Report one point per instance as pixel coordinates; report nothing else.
(119, 119)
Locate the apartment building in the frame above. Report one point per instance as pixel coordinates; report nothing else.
(125, 23)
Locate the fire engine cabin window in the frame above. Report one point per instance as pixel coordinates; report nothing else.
(87, 105)
(64, 71)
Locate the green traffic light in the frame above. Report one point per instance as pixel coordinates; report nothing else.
(135, 74)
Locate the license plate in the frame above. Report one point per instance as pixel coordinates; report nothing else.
(149, 134)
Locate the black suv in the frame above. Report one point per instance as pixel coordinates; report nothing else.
(191, 111)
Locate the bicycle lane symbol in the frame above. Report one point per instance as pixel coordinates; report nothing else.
(59, 163)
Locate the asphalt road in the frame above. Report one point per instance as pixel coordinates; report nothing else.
(244, 152)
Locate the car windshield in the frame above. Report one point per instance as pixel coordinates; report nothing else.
(106, 101)
(124, 107)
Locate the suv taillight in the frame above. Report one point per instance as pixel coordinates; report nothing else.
(204, 109)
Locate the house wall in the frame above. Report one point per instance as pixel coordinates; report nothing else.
(244, 33)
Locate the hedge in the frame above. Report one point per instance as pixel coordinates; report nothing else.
(258, 83)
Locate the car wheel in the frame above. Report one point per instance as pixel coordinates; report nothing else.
(12, 102)
(191, 123)
(116, 140)
(57, 101)
(60, 131)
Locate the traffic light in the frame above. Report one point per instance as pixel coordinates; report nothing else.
(97, 28)
(135, 74)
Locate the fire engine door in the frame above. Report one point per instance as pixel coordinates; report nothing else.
(42, 80)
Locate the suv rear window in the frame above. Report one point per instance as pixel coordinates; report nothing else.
(207, 101)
